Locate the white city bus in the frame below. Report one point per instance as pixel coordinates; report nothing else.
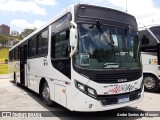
(86, 59)
(150, 39)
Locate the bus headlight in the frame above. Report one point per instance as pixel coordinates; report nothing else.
(91, 92)
(86, 89)
(80, 86)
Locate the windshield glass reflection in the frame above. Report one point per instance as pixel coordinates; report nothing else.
(106, 47)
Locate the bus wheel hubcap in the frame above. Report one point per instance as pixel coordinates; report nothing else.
(46, 93)
(149, 82)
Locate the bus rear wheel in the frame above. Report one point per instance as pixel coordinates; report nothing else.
(151, 83)
(46, 95)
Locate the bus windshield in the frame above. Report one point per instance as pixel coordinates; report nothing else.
(107, 47)
(155, 30)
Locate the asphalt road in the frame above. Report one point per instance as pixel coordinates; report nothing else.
(17, 98)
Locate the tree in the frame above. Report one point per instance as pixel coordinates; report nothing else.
(4, 40)
(26, 32)
(8, 40)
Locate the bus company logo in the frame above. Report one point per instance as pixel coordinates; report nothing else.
(152, 61)
(121, 88)
(6, 114)
(116, 89)
(122, 80)
(126, 88)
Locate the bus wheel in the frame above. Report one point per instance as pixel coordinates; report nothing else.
(46, 95)
(151, 83)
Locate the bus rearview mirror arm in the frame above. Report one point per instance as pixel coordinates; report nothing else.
(73, 51)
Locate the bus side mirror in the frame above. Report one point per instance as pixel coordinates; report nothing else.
(73, 37)
(158, 53)
(73, 40)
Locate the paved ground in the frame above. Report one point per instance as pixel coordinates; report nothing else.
(13, 98)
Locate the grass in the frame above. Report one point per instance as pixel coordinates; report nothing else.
(3, 68)
(3, 56)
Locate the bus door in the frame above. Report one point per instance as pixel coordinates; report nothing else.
(23, 65)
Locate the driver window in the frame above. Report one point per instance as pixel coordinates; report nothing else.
(87, 43)
(61, 44)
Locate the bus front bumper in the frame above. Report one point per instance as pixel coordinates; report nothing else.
(84, 103)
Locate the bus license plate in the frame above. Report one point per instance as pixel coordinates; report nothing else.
(123, 99)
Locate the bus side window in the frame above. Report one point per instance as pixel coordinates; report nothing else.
(146, 38)
(42, 43)
(16, 54)
(65, 43)
(11, 55)
(57, 46)
(32, 47)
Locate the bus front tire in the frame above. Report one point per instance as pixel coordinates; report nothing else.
(46, 95)
(151, 83)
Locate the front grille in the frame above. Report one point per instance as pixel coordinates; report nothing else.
(114, 78)
(113, 99)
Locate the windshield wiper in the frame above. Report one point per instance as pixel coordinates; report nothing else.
(107, 38)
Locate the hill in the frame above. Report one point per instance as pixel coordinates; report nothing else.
(4, 52)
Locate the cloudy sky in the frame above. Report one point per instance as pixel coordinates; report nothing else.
(20, 14)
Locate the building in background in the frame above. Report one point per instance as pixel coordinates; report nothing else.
(14, 33)
(4, 29)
